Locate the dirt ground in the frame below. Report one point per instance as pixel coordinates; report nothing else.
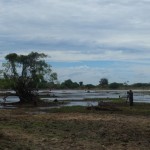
(73, 131)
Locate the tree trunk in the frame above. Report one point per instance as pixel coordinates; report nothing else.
(25, 97)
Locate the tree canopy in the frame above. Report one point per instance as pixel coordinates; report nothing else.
(25, 72)
(103, 82)
(69, 84)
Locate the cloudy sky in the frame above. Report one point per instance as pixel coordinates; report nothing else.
(85, 40)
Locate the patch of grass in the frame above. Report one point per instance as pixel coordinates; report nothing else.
(111, 107)
(104, 99)
(77, 127)
(137, 109)
(73, 131)
(68, 109)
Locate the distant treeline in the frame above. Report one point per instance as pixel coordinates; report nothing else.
(69, 84)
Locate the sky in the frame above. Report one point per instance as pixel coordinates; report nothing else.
(85, 40)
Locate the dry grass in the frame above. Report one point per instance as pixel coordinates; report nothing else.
(75, 131)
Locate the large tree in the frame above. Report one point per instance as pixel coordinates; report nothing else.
(25, 72)
(69, 84)
(103, 82)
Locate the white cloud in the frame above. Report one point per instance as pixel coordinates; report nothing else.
(78, 30)
(133, 73)
(81, 73)
(76, 20)
(110, 55)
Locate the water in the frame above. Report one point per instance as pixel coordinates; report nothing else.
(10, 99)
(82, 103)
(7, 107)
(76, 97)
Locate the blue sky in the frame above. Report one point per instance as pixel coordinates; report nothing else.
(85, 39)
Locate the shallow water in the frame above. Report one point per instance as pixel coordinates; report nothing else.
(7, 107)
(10, 99)
(139, 96)
(82, 103)
(77, 96)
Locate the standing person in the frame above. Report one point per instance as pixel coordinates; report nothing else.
(131, 98)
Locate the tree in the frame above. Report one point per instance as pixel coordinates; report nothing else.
(89, 86)
(4, 84)
(26, 72)
(114, 85)
(103, 82)
(81, 83)
(69, 84)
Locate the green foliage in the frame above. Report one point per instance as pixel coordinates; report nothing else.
(26, 72)
(115, 85)
(81, 83)
(5, 84)
(69, 84)
(89, 86)
(141, 85)
(103, 82)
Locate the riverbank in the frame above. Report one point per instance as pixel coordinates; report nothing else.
(76, 128)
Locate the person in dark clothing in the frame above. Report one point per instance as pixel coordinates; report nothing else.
(130, 95)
